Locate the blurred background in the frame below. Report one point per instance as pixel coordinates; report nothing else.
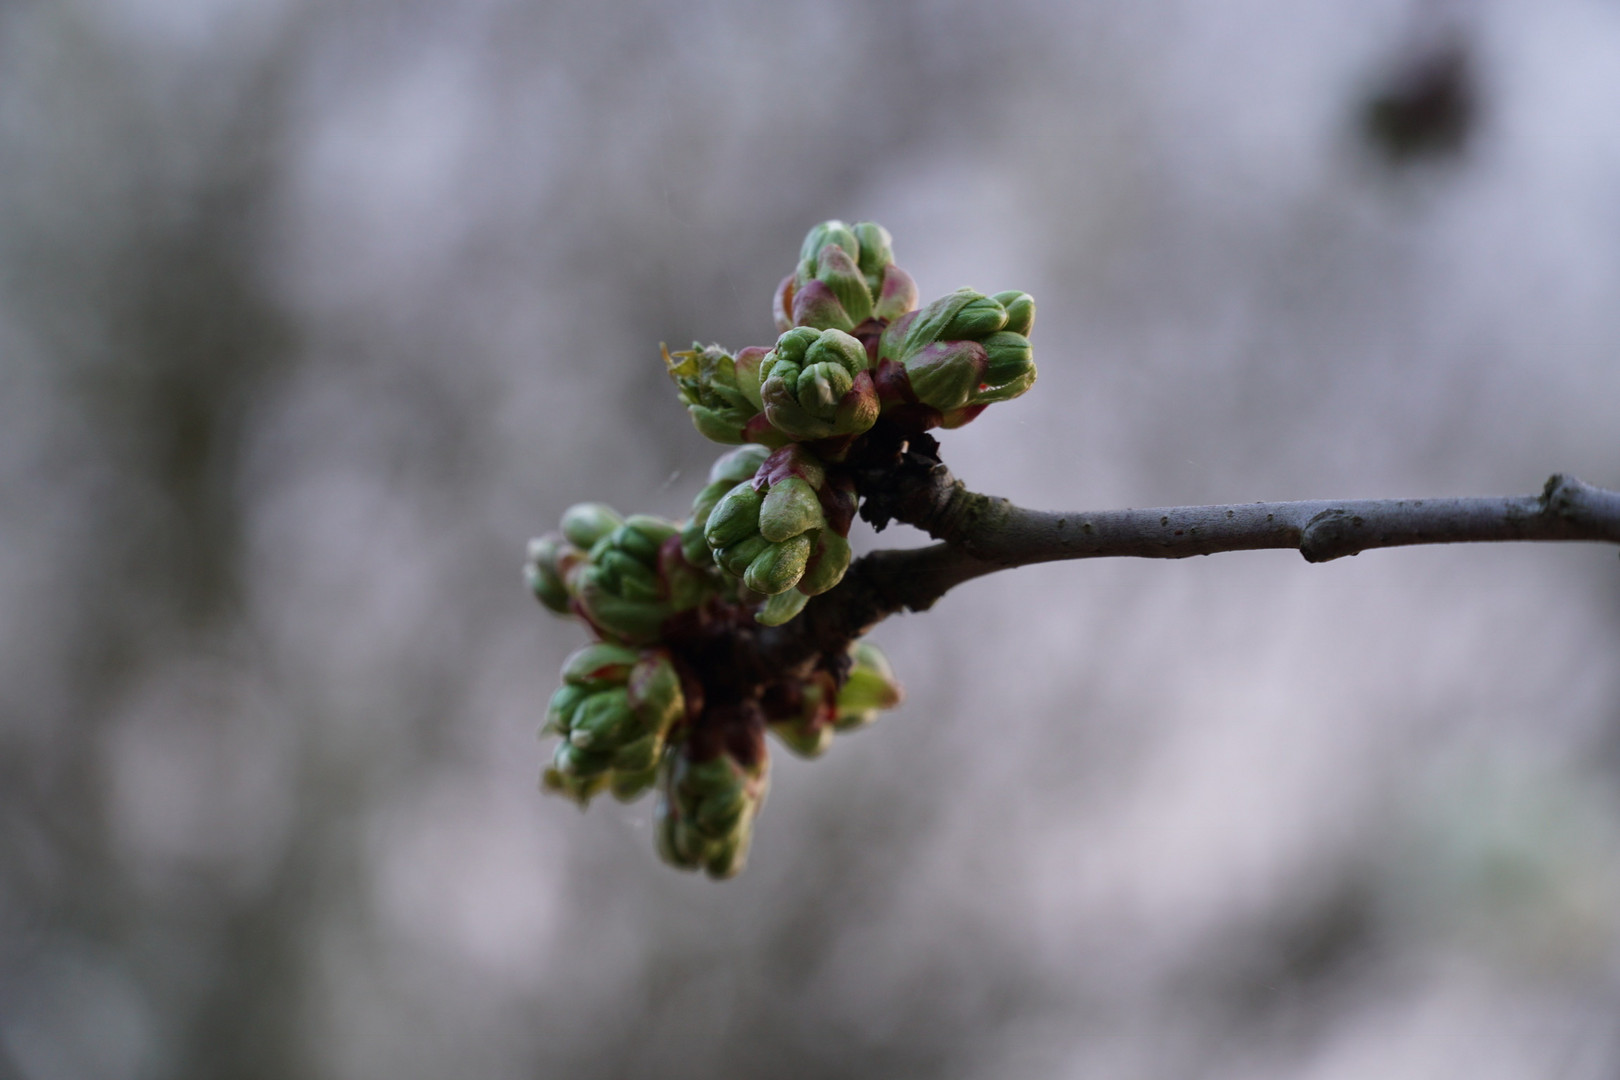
(312, 313)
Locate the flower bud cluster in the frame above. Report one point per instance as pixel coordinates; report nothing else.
(709, 793)
(614, 712)
(783, 532)
(721, 392)
(668, 695)
(624, 576)
(806, 714)
(944, 363)
(854, 347)
(846, 276)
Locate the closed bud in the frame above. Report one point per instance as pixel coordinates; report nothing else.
(781, 608)
(836, 269)
(944, 374)
(816, 385)
(735, 517)
(560, 711)
(828, 562)
(706, 810)
(600, 665)
(639, 756)
(580, 789)
(801, 713)
(876, 251)
(634, 579)
(615, 711)
(735, 466)
(602, 721)
(654, 691)
(845, 277)
(870, 688)
(790, 508)
(785, 525)
(583, 524)
(735, 559)
(897, 294)
(729, 470)
(779, 567)
(981, 315)
(544, 570)
(819, 238)
(629, 786)
(943, 363)
(1020, 307)
(719, 390)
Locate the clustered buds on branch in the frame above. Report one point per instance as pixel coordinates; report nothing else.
(670, 694)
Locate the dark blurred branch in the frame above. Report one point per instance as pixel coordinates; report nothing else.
(982, 534)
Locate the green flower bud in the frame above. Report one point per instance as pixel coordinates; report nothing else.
(583, 524)
(816, 385)
(784, 529)
(560, 711)
(828, 233)
(729, 470)
(801, 713)
(544, 569)
(635, 578)
(1020, 307)
(942, 364)
(944, 374)
(735, 517)
(781, 608)
(630, 786)
(870, 688)
(790, 508)
(806, 742)
(845, 276)
(829, 560)
(706, 809)
(598, 666)
(735, 466)
(721, 392)
(615, 711)
(640, 756)
(736, 559)
(779, 567)
(897, 295)
(602, 721)
(875, 250)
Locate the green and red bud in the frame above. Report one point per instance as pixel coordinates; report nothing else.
(943, 363)
(846, 275)
(614, 711)
(729, 470)
(784, 529)
(710, 791)
(721, 392)
(870, 688)
(806, 712)
(815, 385)
(634, 579)
(547, 567)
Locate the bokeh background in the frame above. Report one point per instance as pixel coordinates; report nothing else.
(312, 313)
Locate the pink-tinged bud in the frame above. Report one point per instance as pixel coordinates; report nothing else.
(816, 305)
(943, 363)
(846, 278)
(838, 271)
(945, 373)
(897, 296)
(782, 305)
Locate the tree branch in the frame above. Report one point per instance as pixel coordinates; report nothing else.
(982, 534)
